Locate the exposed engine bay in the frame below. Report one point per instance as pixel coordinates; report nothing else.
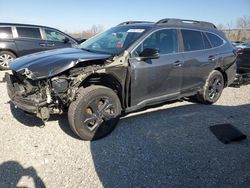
(54, 94)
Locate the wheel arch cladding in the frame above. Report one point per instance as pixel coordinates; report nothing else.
(223, 74)
(106, 80)
(8, 50)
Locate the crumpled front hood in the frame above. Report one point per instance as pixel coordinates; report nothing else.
(49, 63)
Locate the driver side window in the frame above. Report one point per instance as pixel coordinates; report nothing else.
(163, 40)
(54, 35)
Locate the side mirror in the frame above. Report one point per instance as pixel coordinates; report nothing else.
(81, 40)
(149, 53)
(66, 40)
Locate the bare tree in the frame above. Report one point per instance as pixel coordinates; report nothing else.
(95, 29)
(243, 22)
(229, 26)
(220, 27)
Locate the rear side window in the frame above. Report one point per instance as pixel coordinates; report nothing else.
(5, 32)
(214, 39)
(192, 40)
(28, 32)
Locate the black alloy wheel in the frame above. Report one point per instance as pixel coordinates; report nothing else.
(95, 112)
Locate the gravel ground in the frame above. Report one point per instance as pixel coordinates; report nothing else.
(168, 146)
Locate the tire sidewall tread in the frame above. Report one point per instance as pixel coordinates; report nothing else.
(76, 107)
(9, 53)
(202, 95)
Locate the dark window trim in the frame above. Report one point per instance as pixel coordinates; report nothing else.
(182, 29)
(55, 31)
(156, 30)
(12, 35)
(39, 28)
(71, 39)
(223, 41)
(181, 45)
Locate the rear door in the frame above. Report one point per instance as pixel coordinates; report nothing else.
(29, 40)
(199, 59)
(154, 79)
(56, 39)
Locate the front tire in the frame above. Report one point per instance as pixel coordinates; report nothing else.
(95, 112)
(5, 58)
(212, 89)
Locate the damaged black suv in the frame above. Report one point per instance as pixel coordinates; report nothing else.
(123, 69)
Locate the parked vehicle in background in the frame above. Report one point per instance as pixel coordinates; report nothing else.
(243, 45)
(243, 67)
(242, 49)
(243, 60)
(17, 40)
(123, 69)
(236, 43)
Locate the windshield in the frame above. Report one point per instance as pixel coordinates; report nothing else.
(115, 40)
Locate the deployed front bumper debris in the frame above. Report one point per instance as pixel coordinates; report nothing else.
(31, 103)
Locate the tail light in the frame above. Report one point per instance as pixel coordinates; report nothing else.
(239, 52)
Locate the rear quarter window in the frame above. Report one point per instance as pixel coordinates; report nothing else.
(27, 32)
(214, 39)
(5, 32)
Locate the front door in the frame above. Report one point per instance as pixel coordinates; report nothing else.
(154, 79)
(56, 39)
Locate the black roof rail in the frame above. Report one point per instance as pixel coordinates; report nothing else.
(176, 21)
(25, 25)
(133, 22)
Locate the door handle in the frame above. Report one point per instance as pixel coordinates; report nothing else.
(42, 44)
(51, 45)
(211, 58)
(177, 63)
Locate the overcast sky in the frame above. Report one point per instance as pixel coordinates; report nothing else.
(77, 15)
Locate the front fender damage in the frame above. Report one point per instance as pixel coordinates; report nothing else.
(58, 91)
(116, 67)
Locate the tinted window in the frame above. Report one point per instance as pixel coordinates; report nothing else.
(54, 35)
(215, 40)
(206, 42)
(192, 40)
(5, 32)
(28, 32)
(164, 40)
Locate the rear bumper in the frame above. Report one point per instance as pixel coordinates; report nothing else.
(29, 104)
(242, 70)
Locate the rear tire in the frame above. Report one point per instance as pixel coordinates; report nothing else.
(95, 112)
(5, 58)
(212, 89)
